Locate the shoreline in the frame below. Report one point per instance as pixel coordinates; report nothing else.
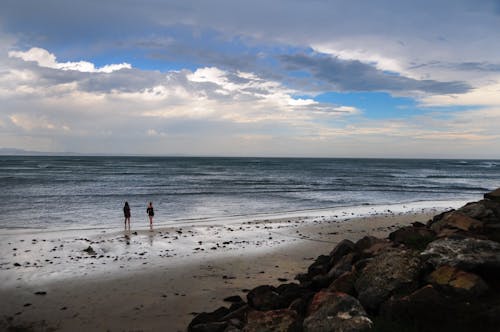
(148, 292)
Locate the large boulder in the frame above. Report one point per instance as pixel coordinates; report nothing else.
(413, 237)
(493, 195)
(344, 283)
(290, 292)
(209, 321)
(343, 248)
(282, 320)
(467, 254)
(425, 307)
(332, 312)
(264, 298)
(459, 221)
(458, 282)
(366, 242)
(485, 210)
(320, 266)
(392, 272)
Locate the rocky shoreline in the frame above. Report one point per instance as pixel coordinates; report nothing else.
(439, 276)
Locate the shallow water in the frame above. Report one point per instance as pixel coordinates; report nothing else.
(89, 192)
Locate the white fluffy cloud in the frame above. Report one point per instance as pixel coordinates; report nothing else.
(46, 59)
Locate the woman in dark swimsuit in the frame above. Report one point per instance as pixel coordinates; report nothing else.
(126, 213)
(151, 213)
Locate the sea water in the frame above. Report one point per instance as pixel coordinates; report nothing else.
(79, 192)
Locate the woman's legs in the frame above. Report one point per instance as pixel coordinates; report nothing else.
(151, 222)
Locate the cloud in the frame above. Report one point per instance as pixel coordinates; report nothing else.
(42, 99)
(48, 60)
(353, 75)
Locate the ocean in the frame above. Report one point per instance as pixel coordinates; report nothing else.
(77, 192)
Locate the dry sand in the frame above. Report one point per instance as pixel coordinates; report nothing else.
(164, 297)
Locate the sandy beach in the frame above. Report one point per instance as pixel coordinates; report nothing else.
(156, 281)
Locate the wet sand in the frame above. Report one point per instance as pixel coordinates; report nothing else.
(156, 281)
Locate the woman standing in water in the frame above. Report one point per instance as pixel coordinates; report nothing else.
(151, 214)
(126, 213)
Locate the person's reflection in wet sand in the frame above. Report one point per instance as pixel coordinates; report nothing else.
(151, 236)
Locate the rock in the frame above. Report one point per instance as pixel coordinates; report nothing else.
(376, 249)
(209, 327)
(204, 319)
(493, 195)
(413, 237)
(342, 266)
(457, 220)
(391, 272)
(233, 299)
(424, 306)
(466, 254)
(17, 264)
(486, 211)
(282, 320)
(427, 309)
(458, 282)
(343, 248)
(41, 293)
(366, 242)
(90, 251)
(289, 292)
(300, 305)
(320, 266)
(336, 312)
(417, 224)
(344, 283)
(264, 298)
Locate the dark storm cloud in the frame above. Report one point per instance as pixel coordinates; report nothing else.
(353, 75)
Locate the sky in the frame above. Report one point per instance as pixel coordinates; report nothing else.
(317, 78)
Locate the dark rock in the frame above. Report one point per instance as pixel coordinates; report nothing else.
(375, 249)
(413, 237)
(90, 251)
(17, 264)
(283, 320)
(457, 220)
(391, 272)
(493, 195)
(289, 292)
(205, 318)
(343, 265)
(437, 218)
(424, 306)
(487, 211)
(427, 309)
(457, 281)
(366, 242)
(336, 312)
(467, 254)
(361, 264)
(320, 266)
(233, 299)
(40, 293)
(343, 248)
(264, 298)
(301, 304)
(344, 284)
(209, 327)
(417, 224)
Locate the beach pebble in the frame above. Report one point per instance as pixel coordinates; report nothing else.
(40, 293)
